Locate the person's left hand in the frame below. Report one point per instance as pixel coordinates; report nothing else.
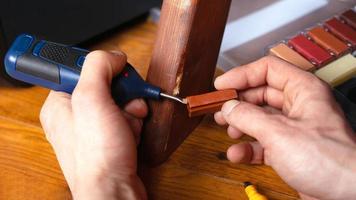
(94, 140)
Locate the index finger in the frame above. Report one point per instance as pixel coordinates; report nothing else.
(269, 70)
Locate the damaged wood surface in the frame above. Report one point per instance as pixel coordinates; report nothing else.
(209, 102)
(183, 64)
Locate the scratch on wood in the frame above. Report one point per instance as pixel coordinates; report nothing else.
(176, 89)
(183, 4)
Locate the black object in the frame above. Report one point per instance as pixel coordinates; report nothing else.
(345, 95)
(246, 184)
(29, 64)
(66, 21)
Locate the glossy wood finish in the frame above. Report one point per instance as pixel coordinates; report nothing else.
(183, 64)
(197, 170)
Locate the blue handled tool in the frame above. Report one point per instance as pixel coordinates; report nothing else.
(57, 67)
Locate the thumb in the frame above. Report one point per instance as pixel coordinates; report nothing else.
(253, 120)
(93, 88)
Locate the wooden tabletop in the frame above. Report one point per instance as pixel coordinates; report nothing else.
(197, 170)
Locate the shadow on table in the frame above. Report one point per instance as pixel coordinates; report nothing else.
(7, 81)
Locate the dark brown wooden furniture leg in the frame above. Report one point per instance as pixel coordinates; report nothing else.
(183, 64)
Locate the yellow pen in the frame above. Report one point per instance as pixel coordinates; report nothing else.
(252, 192)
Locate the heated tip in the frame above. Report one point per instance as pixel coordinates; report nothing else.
(183, 101)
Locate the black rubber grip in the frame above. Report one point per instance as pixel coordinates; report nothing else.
(61, 54)
(34, 66)
(54, 52)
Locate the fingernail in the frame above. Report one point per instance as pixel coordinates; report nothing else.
(117, 53)
(229, 106)
(142, 103)
(217, 79)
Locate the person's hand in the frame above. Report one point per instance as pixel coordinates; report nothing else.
(94, 141)
(300, 130)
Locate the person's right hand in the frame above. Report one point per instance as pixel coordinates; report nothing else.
(301, 131)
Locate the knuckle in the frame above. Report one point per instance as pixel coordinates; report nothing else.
(269, 58)
(100, 55)
(240, 109)
(97, 55)
(272, 61)
(98, 58)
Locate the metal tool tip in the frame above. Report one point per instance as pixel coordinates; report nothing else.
(180, 100)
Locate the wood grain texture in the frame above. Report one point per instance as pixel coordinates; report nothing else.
(183, 64)
(28, 166)
(197, 170)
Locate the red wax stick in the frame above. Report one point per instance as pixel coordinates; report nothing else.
(350, 18)
(342, 31)
(315, 54)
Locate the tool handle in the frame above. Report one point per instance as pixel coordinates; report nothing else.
(129, 85)
(43, 63)
(58, 67)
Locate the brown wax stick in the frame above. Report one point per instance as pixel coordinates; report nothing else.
(341, 30)
(284, 52)
(209, 102)
(328, 41)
